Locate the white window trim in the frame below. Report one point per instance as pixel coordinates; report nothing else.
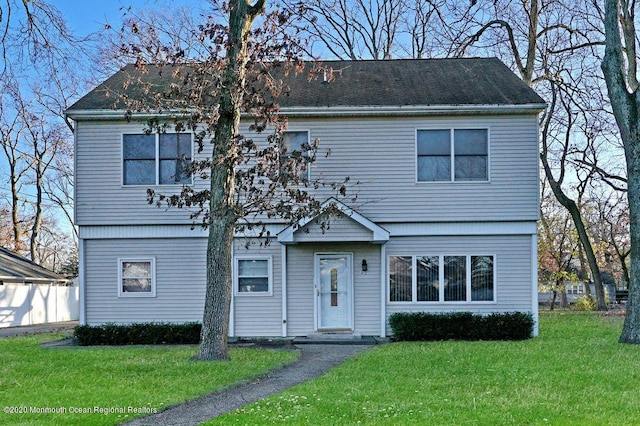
(157, 161)
(236, 283)
(123, 294)
(441, 301)
(452, 156)
(308, 132)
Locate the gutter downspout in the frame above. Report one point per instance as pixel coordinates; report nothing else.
(383, 291)
(283, 252)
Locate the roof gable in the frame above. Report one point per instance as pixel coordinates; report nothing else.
(378, 235)
(364, 83)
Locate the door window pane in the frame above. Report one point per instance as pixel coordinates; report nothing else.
(334, 287)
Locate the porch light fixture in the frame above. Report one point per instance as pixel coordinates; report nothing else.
(365, 267)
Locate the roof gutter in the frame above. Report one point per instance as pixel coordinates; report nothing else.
(336, 111)
(32, 279)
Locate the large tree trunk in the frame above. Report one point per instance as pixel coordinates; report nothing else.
(622, 87)
(631, 328)
(15, 214)
(583, 271)
(215, 320)
(571, 206)
(223, 214)
(37, 219)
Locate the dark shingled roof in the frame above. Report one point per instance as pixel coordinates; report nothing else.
(14, 267)
(402, 82)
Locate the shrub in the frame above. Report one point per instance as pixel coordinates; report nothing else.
(138, 334)
(461, 326)
(585, 303)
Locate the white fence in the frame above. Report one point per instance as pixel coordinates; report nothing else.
(37, 304)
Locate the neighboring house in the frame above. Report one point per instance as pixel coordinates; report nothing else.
(446, 156)
(31, 294)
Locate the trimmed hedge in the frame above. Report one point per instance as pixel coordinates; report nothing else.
(138, 334)
(461, 326)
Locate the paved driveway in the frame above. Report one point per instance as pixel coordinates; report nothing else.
(37, 329)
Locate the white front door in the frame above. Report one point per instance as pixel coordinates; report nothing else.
(334, 284)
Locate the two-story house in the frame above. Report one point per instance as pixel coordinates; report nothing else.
(446, 156)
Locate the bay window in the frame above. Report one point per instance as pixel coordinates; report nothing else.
(465, 278)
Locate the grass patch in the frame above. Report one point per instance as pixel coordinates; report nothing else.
(98, 379)
(575, 373)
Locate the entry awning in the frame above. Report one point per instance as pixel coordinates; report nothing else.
(336, 222)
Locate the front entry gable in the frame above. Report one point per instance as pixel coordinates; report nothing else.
(336, 223)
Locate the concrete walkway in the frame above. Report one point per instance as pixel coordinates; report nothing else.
(37, 329)
(314, 361)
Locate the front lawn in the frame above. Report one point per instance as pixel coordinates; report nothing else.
(108, 385)
(575, 373)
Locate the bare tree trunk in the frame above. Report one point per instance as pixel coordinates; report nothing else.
(583, 271)
(571, 206)
(15, 214)
(215, 321)
(622, 87)
(631, 328)
(564, 302)
(37, 219)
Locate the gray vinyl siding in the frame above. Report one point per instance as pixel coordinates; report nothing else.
(259, 315)
(300, 286)
(381, 155)
(378, 153)
(180, 285)
(337, 229)
(180, 280)
(512, 262)
(101, 199)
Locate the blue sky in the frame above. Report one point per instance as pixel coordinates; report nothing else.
(88, 16)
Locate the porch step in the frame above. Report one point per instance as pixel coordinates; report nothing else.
(338, 339)
(334, 335)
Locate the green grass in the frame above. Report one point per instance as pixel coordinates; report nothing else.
(104, 378)
(575, 373)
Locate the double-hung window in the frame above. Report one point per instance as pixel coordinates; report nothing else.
(253, 276)
(295, 157)
(466, 278)
(136, 277)
(156, 159)
(452, 155)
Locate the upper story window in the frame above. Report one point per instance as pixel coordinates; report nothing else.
(296, 145)
(452, 155)
(156, 159)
